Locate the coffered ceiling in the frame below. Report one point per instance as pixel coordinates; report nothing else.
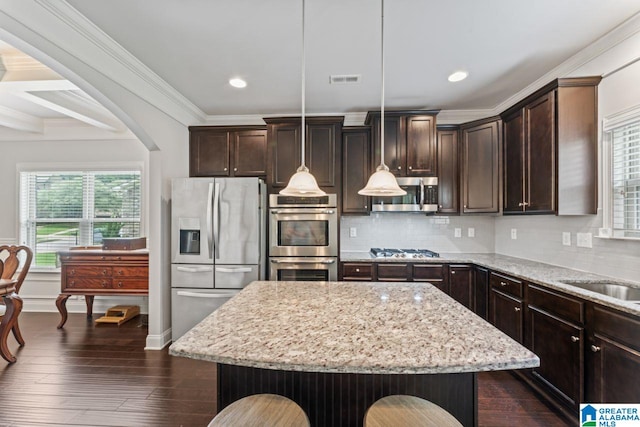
(196, 46)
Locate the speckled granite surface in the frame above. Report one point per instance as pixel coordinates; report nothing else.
(534, 272)
(354, 327)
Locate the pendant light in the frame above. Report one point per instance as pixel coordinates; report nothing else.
(382, 182)
(302, 183)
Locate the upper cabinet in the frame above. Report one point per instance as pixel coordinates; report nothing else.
(550, 150)
(448, 170)
(409, 142)
(227, 151)
(356, 161)
(322, 150)
(480, 166)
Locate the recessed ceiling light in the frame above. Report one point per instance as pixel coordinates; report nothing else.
(457, 76)
(237, 82)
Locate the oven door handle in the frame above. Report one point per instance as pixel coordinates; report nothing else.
(303, 211)
(304, 261)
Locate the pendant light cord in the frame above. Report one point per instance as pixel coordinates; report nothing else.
(303, 130)
(382, 165)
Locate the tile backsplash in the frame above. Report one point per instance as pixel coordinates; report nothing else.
(417, 231)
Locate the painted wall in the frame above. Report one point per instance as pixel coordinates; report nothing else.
(41, 289)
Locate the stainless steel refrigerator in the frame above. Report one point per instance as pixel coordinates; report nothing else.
(217, 244)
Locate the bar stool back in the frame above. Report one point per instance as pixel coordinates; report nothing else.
(261, 410)
(408, 411)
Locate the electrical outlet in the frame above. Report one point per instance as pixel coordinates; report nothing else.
(457, 232)
(566, 238)
(584, 240)
(353, 232)
(471, 232)
(514, 233)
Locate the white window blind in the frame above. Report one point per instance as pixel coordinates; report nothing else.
(61, 209)
(625, 171)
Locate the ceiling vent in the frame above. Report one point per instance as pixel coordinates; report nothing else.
(345, 79)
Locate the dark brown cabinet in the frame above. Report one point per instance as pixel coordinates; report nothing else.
(352, 271)
(356, 161)
(461, 284)
(322, 150)
(227, 151)
(555, 333)
(612, 356)
(448, 170)
(480, 166)
(550, 150)
(432, 273)
(409, 144)
(506, 305)
(393, 272)
(481, 291)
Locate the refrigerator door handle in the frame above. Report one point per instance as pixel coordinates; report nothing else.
(234, 270)
(202, 295)
(216, 220)
(210, 221)
(194, 269)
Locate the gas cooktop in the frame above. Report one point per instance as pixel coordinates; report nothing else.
(403, 253)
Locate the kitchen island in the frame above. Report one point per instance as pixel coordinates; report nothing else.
(335, 348)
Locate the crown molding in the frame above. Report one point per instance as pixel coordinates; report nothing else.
(140, 79)
(66, 129)
(456, 117)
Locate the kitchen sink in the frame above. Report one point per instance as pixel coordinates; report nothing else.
(612, 289)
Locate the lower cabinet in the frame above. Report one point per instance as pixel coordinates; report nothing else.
(481, 291)
(432, 273)
(506, 304)
(461, 284)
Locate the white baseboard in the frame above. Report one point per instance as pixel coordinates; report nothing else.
(158, 342)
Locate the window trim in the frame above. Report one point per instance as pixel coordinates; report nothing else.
(609, 123)
(75, 167)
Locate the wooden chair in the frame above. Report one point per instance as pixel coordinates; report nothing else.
(9, 263)
(408, 411)
(261, 410)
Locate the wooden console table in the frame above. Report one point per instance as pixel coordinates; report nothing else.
(92, 272)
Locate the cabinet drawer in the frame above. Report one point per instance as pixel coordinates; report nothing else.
(357, 271)
(129, 271)
(558, 304)
(75, 283)
(101, 258)
(87, 271)
(618, 326)
(393, 272)
(506, 284)
(428, 272)
(130, 284)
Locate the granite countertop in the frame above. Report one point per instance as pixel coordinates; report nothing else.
(354, 327)
(548, 275)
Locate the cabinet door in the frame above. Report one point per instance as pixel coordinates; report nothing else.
(461, 285)
(559, 345)
(356, 149)
(506, 314)
(394, 144)
(284, 152)
(250, 153)
(321, 152)
(481, 291)
(514, 161)
(393, 272)
(612, 372)
(480, 168)
(421, 146)
(540, 178)
(209, 153)
(448, 171)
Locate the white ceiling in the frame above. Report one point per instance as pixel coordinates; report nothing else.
(197, 45)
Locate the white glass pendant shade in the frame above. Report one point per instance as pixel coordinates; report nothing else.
(302, 184)
(382, 183)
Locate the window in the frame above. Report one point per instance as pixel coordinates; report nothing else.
(61, 209)
(622, 141)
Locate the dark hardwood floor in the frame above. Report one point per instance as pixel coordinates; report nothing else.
(100, 375)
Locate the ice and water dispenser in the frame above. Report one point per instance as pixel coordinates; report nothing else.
(189, 236)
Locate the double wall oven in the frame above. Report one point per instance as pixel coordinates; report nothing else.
(303, 238)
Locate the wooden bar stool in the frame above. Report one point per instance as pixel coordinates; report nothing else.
(261, 410)
(408, 411)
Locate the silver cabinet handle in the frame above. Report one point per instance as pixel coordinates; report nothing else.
(410, 168)
(595, 348)
(357, 270)
(516, 309)
(503, 284)
(399, 167)
(574, 338)
(225, 169)
(233, 270)
(453, 272)
(235, 169)
(520, 204)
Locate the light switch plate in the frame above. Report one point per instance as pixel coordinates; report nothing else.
(353, 232)
(514, 233)
(457, 232)
(566, 238)
(584, 240)
(471, 232)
